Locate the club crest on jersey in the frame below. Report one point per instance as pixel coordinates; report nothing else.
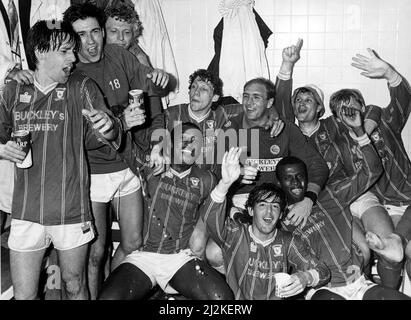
(376, 136)
(275, 150)
(210, 124)
(322, 136)
(194, 182)
(278, 250)
(25, 98)
(60, 94)
(227, 124)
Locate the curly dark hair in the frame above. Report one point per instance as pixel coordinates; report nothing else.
(125, 12)
(207, 76)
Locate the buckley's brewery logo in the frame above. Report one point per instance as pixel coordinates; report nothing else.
(275, 150)
(25, 98)
(210, 124)
(60, 94)
(194, 182)
(278, 250)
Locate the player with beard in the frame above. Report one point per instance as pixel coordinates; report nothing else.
(175, 201)
(255, 252)
(51, 201)
(116, 71)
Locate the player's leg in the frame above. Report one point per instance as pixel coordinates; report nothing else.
(403, 229)
(73, 264)
(25, 273)
(126, 282)
(198, 239)
(383, 293)
(376, 221)
(214, 256)
(358, 236)
(27, 243)
(198, 281)
(72, 242)
(389, 263)
(128, 206)
(324, 294)
(98, 252)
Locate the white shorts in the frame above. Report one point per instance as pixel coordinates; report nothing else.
(26, 236)
(239, 200)
(395, 211)
(366, 201)
(352, 291)
(105, 187)
(160, 268)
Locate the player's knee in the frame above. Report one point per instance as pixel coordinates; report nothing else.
(214, 254)
(73, 283)
(131, 243)
(198, 246)
(96, 255)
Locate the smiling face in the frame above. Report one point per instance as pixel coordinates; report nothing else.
(56, 65)
(255, 102)
(119, 32)
(293, 180)
(92, 38)
(305, 107)
(265, 215)
(187, 147)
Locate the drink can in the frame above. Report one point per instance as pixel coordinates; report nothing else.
(23, 139)
(281, 280)
(136, 98)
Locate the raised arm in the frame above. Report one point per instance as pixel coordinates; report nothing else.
(284, 82)
(214, 209)
(373, 67)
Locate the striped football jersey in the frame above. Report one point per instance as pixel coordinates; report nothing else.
(55, 190)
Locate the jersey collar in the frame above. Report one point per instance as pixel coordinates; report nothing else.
(179, 175)
(194, 117)
(263, 243)
(47, 89)
(309, 134)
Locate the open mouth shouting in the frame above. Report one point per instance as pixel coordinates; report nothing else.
(268, 220)
(67, 70)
